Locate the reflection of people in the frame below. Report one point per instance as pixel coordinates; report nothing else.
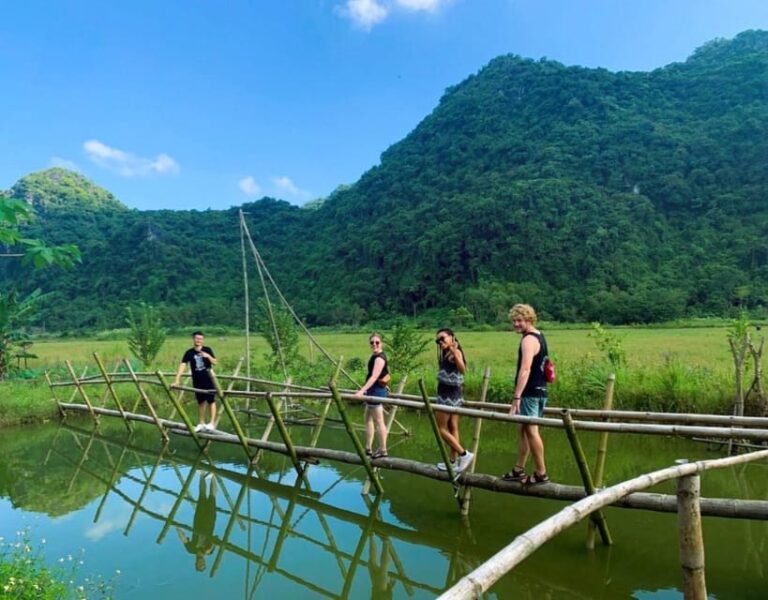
(200, 359)
(530, 394)
(378, 567)
(375, 385)
(202, 542)
(450, 392)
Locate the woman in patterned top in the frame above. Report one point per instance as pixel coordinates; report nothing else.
(450, 392)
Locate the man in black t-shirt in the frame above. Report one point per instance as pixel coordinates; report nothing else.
(200, 359)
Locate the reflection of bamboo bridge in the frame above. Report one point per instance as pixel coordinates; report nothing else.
(283, 520)
(752, 429)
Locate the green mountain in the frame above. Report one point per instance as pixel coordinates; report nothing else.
(619, 197)
(58, 188)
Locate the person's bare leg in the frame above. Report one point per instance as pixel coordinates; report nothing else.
(381, 426)
(369, 427)
(536, 446)
(523, 448)
(214, 421)
(201, 413)
(445, 433)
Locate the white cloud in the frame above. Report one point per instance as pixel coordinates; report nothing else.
(64, 163)
(248, 186)
(417, 5)
(126, 164)
(364, 13)
(285, 187)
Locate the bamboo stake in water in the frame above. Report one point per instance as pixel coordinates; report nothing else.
(112, 392)
(586, 477)
(466, 491)
(602, 451)
(436, 430)
(690, 537)
(372, 473)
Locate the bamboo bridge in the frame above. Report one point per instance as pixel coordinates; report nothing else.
(283, 400)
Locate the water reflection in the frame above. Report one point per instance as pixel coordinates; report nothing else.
(135, 504)
(257, 515)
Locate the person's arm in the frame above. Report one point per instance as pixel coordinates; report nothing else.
(184, 539)
(378, 367)
(209, 355)
(179, 373)
(529, 346)
(458, 357)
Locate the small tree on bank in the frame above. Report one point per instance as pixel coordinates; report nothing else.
(146, 335)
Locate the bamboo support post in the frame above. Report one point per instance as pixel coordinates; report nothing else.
(586, 477)
(180, 409)
(53, 395)
(466, 491)
(690, 536)
(143, 396)
(284, 433)
(83, 457)
(80, 389)
(372, 474)
(112, 392)
(438, 437)
(393, 410)
(602, 451)
(231, 414)
(285, 527)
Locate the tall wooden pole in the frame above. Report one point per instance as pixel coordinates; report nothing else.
(690, 538)
(247, 307)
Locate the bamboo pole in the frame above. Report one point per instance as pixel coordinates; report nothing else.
(466, 491)
(246, 296)
(143, 396)
(602, 451)
(436, 430)
(80, 389)
(481, 579)
(690, 536)
(372, 474)
(231, 415)
(589, 487)
(393, 410)
(112, 391)
(53, 395)
(285, 435)
(180, 409)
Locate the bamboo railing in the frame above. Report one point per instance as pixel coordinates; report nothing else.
(481, 579)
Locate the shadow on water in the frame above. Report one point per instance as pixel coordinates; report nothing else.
(197, 525)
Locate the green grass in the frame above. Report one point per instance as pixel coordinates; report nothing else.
(24, 574)
(676, 369)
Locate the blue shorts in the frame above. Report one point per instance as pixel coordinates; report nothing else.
(378, 391)
(532, 406)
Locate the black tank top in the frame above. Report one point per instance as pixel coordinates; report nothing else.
(384, 371)
(537, 384)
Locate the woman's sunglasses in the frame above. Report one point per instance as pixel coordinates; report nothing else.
(440, 340)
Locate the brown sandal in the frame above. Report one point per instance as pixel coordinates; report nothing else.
(535, 479)
(516, 474)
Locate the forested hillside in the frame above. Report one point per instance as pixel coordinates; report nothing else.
(619, 197)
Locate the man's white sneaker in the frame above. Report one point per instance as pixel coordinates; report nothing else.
(210, 427)
(464, 461)
(441, 466)
(199, 427)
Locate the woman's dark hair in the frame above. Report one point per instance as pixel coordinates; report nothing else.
(441, 352)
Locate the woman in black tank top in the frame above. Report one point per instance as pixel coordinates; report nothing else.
(375, 386)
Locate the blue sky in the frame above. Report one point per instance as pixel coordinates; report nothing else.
(201, 104)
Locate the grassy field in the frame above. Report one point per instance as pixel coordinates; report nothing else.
(700, 347)
(684, 370)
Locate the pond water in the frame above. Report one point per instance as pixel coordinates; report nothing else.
(177, 524)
